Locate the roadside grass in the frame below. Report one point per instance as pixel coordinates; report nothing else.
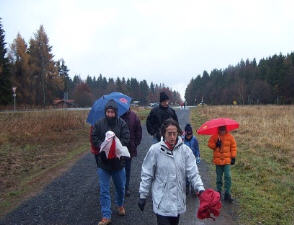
(142, 113)
(34, 144)
(35, 147)
(263, 177)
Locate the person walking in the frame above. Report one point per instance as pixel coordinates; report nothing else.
(135, 128)
(158, 115)
(191, 141)
(110, 167)
(224, 149)
(164, 170)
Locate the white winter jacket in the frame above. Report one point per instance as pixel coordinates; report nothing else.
(166, 172)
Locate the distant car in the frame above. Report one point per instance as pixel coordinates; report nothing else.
(153, 104)
(201, 104)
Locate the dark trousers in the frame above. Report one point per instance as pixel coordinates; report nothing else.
(128, 172)
(96, 159)
(220, 170)
(167, 220)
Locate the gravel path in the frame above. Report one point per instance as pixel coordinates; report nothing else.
(73, 198)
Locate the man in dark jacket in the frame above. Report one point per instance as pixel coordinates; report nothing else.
(135, 128)
(158, 115)
(108, 168)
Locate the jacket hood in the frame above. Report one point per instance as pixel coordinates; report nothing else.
(188, 129)
(111, 104)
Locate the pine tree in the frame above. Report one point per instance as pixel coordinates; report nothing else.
(21, 70)
(5, 84)
(63, 73)
(48, 83)
(144, 89)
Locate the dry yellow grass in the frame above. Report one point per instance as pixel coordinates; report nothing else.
(263, 177)
(32, 143)
(23, 125)
(35, 143)
(269, 127)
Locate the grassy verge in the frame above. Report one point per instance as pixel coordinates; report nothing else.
(142, 113)
(34, 147)
(263, 177)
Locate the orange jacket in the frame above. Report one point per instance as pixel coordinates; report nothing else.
(228, 150)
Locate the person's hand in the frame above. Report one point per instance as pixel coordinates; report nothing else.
(197, 160)
(218, 143)
(199, 193)
(233, 161)
(141, 203)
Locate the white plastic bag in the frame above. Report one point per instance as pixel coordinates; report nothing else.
(120, 150)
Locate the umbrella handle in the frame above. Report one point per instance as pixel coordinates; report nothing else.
(220, 148)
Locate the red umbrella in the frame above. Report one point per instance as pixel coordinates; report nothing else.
(211, 127)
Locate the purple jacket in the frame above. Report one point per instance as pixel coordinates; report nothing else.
(135, 128)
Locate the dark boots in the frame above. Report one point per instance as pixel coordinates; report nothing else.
(228, 198)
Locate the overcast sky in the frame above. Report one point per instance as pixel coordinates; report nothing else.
(163, 41)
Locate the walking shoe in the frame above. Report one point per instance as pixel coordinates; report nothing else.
(128, 193)
(104, 221)
(121, 211)
(228, 198)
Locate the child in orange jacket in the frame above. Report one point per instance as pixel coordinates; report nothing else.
(224, 149)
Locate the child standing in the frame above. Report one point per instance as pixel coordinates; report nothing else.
(224, 149)
(191, 141)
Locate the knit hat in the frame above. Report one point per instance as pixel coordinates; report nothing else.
(111, 104)
(188, 129)
(163, 96)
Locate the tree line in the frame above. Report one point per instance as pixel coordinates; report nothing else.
(271, 81)
(39, 79)
(86, 91)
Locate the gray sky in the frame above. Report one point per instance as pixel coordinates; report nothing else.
(163, 41)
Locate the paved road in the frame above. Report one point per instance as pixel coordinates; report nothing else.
(72, 199)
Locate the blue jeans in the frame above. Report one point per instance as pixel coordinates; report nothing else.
(119, 180)
(128, 172)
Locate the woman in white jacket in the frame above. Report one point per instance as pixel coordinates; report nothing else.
(165, 168)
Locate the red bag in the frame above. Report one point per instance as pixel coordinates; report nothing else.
(209, 204)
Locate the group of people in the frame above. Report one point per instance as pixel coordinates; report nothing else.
(169, 168)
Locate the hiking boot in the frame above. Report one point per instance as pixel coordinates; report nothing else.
(128, 193)
(228, 198)
(121, 211)
(104, 221)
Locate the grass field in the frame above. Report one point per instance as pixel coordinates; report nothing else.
(35, 147)
(263, 177)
